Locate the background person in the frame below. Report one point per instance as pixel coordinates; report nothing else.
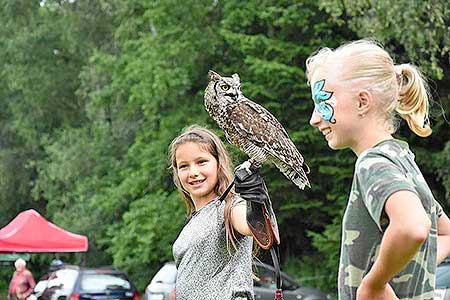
(22, 282)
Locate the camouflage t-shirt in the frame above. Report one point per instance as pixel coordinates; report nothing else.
(379, 172)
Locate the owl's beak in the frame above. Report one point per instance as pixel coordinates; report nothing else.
(233, 96)
(213, 75)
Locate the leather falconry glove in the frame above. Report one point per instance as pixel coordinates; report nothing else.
(260, 216)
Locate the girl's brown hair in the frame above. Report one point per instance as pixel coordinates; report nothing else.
(210, 142)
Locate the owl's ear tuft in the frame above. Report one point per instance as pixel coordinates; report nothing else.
(235, 76)
(213, 75)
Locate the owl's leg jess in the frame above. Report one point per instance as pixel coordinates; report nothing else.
(250, 166)
(246, 165)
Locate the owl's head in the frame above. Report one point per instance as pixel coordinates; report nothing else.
(224, 90)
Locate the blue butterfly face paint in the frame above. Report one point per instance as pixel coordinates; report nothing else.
(324, 101)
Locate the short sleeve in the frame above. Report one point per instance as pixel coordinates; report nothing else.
(379, 178)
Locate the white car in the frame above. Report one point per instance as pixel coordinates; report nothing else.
(162, 286)
(38, 289)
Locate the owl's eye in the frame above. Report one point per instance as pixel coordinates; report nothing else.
(225, 87)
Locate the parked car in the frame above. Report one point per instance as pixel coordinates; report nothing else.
(162, 285)
(265, 285)
(74, 283)
(442, 287)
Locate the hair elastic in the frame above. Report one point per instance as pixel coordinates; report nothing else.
(398, 72)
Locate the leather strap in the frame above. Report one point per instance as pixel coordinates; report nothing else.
(225, 194)
(275, 253)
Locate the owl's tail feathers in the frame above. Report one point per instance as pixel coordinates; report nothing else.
(297, 176)
(301, 182)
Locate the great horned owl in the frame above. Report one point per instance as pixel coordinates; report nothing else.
(253, 129)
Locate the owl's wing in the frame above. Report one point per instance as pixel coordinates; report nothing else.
(260, 127)
(255, 122)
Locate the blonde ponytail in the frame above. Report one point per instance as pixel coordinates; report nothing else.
(413, 103)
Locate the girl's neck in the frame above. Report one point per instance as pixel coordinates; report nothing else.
(199, 204)
(370, 141)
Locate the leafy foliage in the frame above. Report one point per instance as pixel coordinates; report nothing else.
(416, 31)
(92, 93)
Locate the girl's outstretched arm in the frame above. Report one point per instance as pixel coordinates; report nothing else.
(239, 218)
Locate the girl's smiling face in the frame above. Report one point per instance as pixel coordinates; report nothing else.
(197, 172)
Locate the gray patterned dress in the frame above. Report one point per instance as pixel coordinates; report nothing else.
(206, 270)
(379, 172)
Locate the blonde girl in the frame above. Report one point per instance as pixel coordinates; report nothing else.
(393, 232)
(208, 268)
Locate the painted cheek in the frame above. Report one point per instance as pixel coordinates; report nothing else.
(324, 101)
(332, 101)
(326, 109)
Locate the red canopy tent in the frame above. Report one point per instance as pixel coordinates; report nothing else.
(30, 232)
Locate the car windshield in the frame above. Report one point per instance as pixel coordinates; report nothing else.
(101, 282)
(443, 276)
(167, 274)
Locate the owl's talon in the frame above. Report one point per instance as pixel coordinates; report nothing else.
(245, 165)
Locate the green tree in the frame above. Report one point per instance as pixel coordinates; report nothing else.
(139, 94)
(44, 45)
(92, 93)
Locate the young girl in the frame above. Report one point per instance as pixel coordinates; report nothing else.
(213, 252)
(394, 232)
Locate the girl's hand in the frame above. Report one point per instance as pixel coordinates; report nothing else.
(368, 292)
